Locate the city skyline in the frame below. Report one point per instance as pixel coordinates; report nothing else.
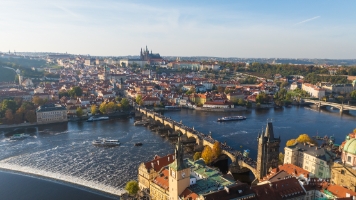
(318, 29)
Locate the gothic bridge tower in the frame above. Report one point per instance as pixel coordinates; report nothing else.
(268, 151)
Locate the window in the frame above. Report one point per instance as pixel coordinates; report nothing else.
(343, 172)
(321, 168)
(320, 174)
(348, 158)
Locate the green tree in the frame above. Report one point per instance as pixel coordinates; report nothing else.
(125, 104)
(79, 112)
(353, 94)
(9, 104)
(30, 116)
(207, 154)
(63, 93)
(197, 155)
(75, 92)
(139, 100)
(132, 187)
(241, 102)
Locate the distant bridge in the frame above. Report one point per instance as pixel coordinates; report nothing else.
(238, 160)
(341, 107)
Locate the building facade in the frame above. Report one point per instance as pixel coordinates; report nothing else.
(51, 113)
(314, 159)
(344, 172)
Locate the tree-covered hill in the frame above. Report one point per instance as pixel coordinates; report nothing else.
(7, 75)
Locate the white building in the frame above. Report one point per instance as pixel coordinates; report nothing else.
(313, 90)
(309, 157)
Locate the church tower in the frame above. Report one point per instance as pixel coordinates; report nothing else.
(179, 173)
(268, 151)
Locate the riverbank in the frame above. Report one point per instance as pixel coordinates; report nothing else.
(65, 178)
(28, 125)
(238, 108)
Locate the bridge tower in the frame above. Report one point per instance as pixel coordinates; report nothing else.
(268, 151)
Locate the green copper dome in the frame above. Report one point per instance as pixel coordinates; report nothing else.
(350, 146)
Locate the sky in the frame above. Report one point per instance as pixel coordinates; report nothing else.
(230, 28)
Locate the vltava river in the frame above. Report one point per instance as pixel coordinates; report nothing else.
(66, 149)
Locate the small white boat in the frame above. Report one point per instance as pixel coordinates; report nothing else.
(19, 136)
(138, 123)
(103, 142)
(92, 119)
(232, 118)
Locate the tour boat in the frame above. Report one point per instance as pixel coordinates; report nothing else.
(138, 144)
(92, 119)
(102, 142)
(231, 118)
(19, 136)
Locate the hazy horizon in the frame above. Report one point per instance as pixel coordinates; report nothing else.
(253, 29)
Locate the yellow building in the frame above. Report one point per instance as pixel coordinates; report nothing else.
(148, 171)
(51, 113)
(159, 187)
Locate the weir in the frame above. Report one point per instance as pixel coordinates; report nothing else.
(65, 178)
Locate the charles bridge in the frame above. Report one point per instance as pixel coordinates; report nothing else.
(239, 163)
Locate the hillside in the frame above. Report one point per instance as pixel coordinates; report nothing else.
(7, 74)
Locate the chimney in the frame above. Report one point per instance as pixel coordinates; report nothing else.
(152, 164)
(157, 162)
(168, 158)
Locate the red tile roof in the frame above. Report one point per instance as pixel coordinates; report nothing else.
(159, 163)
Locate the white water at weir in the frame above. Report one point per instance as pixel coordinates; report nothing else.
(69, 156)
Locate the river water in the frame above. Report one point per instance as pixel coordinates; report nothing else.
(64, 151)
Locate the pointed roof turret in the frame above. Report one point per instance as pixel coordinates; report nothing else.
(179, 164)
(269, 130)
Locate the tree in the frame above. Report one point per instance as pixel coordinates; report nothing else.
(304, 138)
(291, 142)
(353, 94)
(132, 187)
(281, 158)
(75, 92)
(30, 116)
(241, 102)
(207, 154)
(63, 93)
(197, 155)
(216, 149)
(93, 109)
(79, 112)
(125, 104)
(102, 108)
(139, 100)
(9, 116)
(9, 104)
(111, 107)
(38, 101)
(18, 118)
